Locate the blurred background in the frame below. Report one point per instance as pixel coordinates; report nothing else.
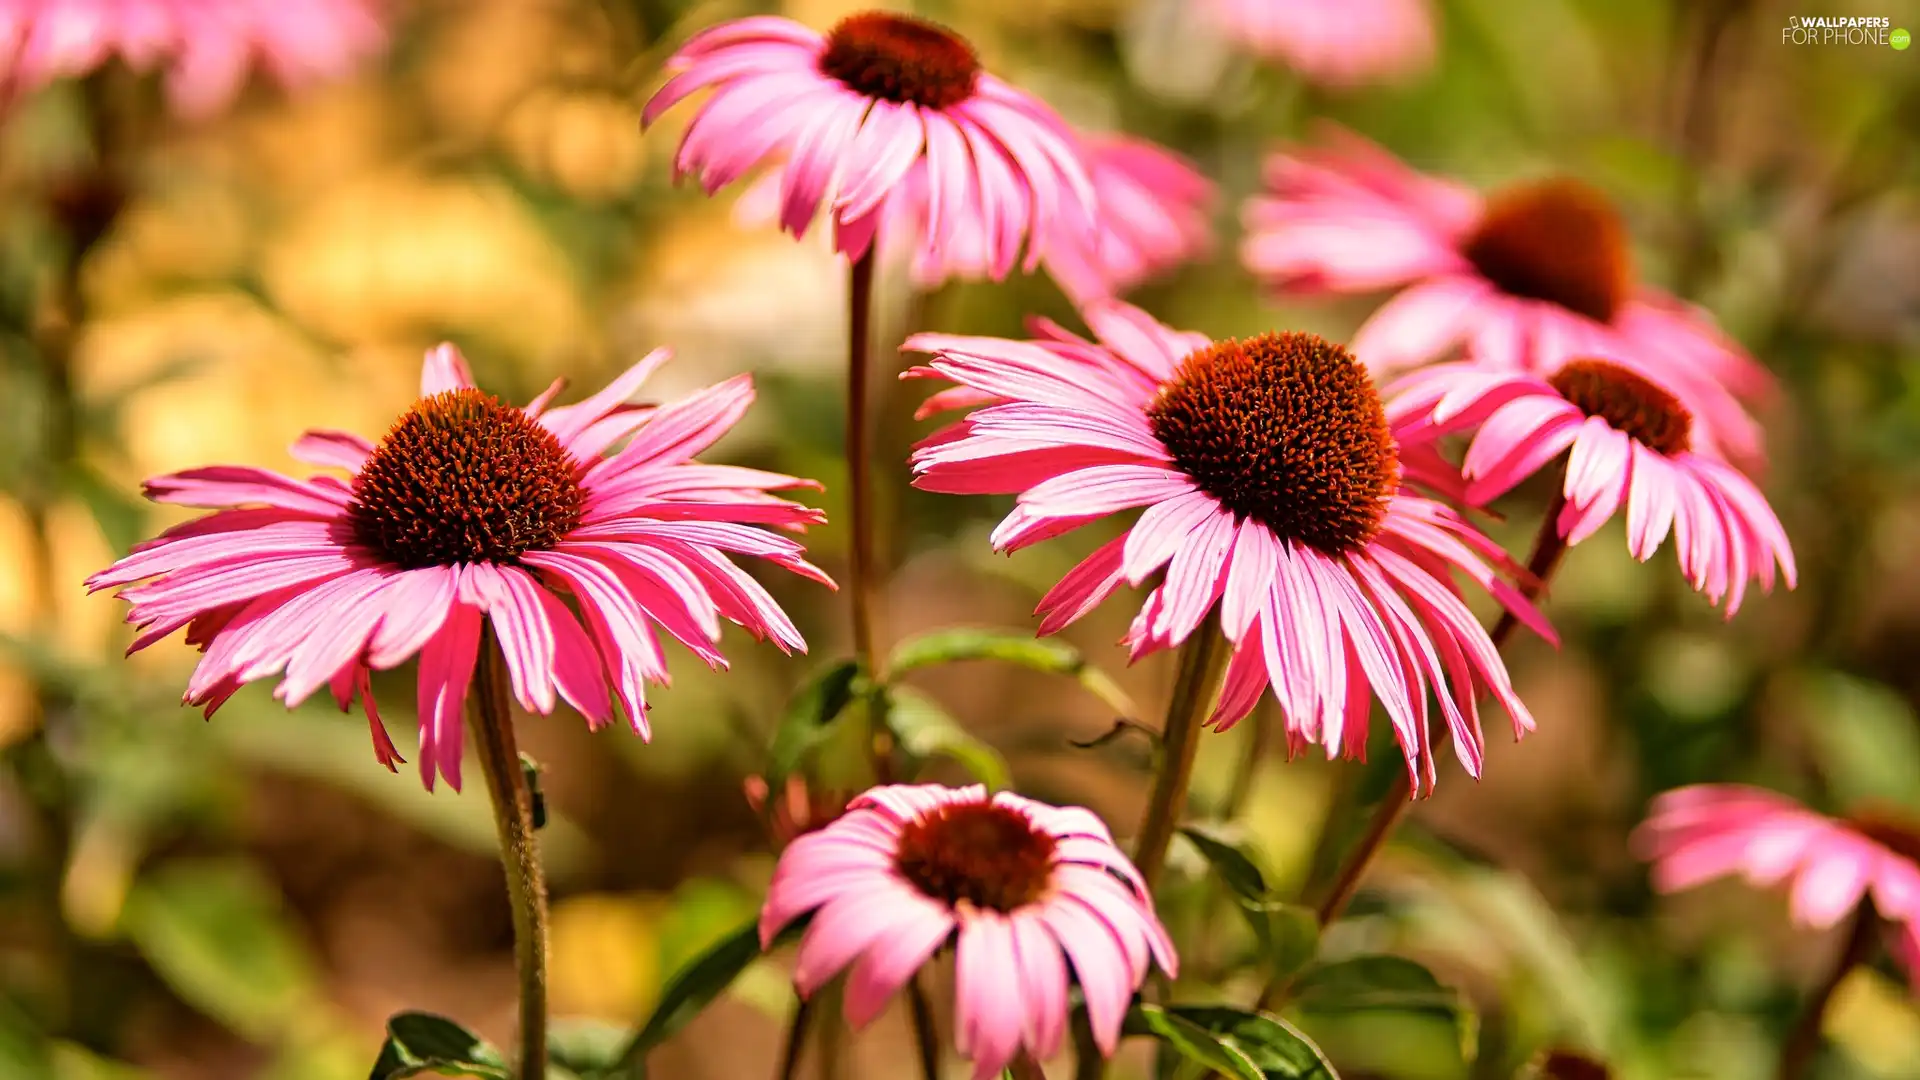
(251, 897)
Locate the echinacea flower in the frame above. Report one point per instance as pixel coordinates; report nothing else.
(852, 116)
(206, 46)
(1628, 442)
(1028, 895)
(1336, 43)
(1154, 208)
(1832, 865)
(1527, 278)
(470, 511)
(799, 808)
(1271, 488)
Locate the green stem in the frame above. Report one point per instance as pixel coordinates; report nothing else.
(796, 1039)
(860, 560)
(1548, 548)
(492, 722)
(1200, 661)
(926, 1035)
(1803, 1042)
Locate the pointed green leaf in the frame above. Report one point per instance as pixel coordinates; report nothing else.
(1044, 655)
(422, 1044)
(1387, 984)
(586, 1047)
(1288, 934)
(1276, 1048)
(809, 717)
(692, 989)
(925, 730)
(1190, 1041)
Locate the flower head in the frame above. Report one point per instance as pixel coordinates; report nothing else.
(1271, 488)
(1630, 443)
(1832, 866)
(1153, 217)
(1527, 278)
(205, 46)
(881, 103)
(1336, 43)
(1027, 894)
(470, 509)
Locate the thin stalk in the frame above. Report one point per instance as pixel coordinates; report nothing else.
(926, 1036)
(796, 1040)
(1088, 1062)
(1200, 661)
(1803, 1042)
(1548, 548)
(492, 722)
(860, 561)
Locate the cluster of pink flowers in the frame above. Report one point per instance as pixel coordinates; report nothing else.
(1287, 503)
(205, 47)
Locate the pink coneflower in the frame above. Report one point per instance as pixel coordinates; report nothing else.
(1629, 442)
(1020, 889)
(797, 809)
(469, 508)
(857, 112)
(205, 46)
(1271, 488)
(1336, 43)
(1154, 208)
(1527, 278)
(1708, 831)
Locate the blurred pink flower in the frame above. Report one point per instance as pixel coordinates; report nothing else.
(1272, 487)
(1019, 888)
(205, 46)
(1631, 445)
(856, 113)
(469, 508)
(1527, 278)
(1153, 216)
(1337, 43)
(1696, 834)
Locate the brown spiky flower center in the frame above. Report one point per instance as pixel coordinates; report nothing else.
(462, 478)
(1559, 241)
(1629, 403)
(986, 855)
(901, 59)
(1892, 828)
(1286, 429)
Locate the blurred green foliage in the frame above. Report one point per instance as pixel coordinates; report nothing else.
(252, 897)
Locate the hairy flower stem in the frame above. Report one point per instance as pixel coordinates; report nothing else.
(860, 563)
(1548, 548)
(492, 722)
(1201, 659)
(1803, 1042)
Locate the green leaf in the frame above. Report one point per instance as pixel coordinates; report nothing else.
(586, 1047)
(692, 989)
(1044, 655)
(1288, 934)
(217, 933)
(810, 716)
(1276, 1048)
(1191, 1041)
(925, 730)
(1387, 984)
(422, 1044)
